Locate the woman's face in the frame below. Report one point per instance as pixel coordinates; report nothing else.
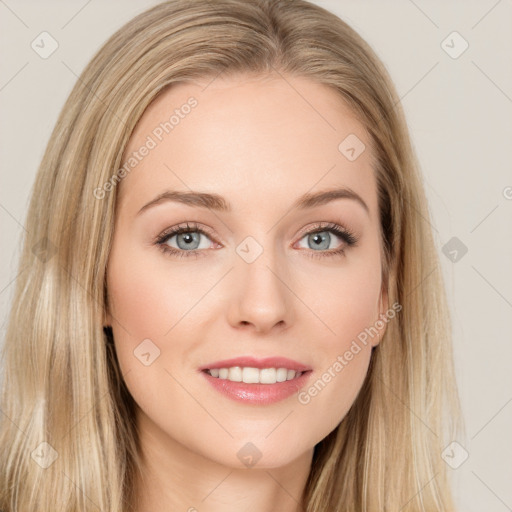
(259, 272)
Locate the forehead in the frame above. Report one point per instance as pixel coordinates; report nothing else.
(249, 137)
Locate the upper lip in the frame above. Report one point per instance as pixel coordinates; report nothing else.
(252, 362)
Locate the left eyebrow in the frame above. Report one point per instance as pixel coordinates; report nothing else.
(310, 200)
(219, 203)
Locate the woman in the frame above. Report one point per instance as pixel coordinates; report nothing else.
(233, 296)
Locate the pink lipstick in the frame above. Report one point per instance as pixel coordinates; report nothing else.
(257, 381)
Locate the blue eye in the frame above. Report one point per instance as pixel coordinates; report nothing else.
(188, 240)
(321, 239)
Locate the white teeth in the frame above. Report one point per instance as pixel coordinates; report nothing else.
(281, 374)
(268, 375)
(250, 375)
(235, 374)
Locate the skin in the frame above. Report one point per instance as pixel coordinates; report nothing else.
(260, 143)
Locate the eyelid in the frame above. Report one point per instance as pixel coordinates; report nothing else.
(185, 226)
(320, 226)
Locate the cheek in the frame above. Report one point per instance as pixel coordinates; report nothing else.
(145, 303)
(143, 306)
(345, 298)
(138, 300)
(146, 299)
(152, 298)
(347, 305)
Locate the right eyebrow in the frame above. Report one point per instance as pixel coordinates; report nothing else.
(200, 199)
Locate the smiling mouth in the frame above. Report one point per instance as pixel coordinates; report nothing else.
(251, 375)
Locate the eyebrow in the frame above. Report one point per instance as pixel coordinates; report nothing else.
(219, 203)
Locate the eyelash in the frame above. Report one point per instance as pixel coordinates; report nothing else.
(347, 236)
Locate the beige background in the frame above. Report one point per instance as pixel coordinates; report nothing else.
(460, 116)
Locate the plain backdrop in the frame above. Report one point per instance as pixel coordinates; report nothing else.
(459, 109)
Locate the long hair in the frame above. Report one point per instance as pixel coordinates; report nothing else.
(67, 436)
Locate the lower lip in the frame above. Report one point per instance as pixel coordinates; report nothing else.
(258, 393)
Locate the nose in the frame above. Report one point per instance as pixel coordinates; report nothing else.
(260, 299)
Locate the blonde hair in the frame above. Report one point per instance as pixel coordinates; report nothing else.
(62, 383)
